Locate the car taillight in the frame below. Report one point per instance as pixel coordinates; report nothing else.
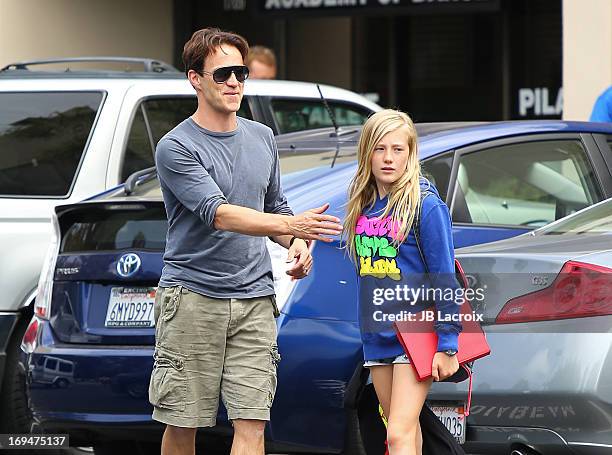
(42, 303)
(580, 290)
(30, 337)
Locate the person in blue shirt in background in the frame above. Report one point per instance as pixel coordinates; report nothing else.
(383, 199)
(602, 111)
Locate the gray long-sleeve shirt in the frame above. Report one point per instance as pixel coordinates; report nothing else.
(198, 171)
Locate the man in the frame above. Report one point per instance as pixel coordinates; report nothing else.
(261, 62)
(215, 307)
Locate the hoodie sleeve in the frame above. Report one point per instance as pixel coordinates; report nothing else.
(437, 244)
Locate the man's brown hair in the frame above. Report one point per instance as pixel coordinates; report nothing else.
(262, 54)
(204, 42)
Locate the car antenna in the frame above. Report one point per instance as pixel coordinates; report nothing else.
(333, 119)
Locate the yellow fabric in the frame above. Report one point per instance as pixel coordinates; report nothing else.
(382, 415)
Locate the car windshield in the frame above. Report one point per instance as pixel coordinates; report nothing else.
(594, 220)
(301, 115)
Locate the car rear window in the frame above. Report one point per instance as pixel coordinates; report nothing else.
(109, 230)
(301, 114)
(42, 139)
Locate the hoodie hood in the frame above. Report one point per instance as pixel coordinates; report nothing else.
(426, 185)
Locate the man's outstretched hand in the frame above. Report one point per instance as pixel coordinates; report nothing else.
(313, 224)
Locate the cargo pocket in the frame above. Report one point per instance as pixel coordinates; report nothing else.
(274, 361)
(167, 389)
(170, 304)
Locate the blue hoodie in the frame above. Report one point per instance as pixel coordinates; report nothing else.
(380, 265)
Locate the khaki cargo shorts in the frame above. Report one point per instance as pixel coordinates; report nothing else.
(206, 348)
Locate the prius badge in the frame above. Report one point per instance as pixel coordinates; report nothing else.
(128, 265)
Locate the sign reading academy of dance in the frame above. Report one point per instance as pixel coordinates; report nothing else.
(364, 6)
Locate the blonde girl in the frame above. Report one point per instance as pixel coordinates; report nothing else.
(383, 199)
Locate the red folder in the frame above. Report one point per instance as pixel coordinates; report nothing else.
(420, 341)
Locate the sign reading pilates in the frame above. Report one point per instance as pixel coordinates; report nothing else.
(351, 6)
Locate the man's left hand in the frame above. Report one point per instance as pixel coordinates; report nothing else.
(300, 253)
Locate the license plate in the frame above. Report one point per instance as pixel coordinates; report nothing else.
(453, 418)
(130, 307)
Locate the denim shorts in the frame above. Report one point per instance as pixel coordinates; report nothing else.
(402, 358)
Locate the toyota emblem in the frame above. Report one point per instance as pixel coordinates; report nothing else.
(128, 265)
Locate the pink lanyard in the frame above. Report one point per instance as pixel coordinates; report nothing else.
(469, 401)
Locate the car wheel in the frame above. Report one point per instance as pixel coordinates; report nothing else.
(61, 383)
(365, 431)
(15, 415)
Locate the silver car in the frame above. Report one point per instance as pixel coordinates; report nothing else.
(547, 386)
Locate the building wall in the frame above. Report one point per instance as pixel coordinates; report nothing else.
(319, 50)
(587, 55)
(34, 29)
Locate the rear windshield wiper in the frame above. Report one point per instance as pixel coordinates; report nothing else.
(137, 177)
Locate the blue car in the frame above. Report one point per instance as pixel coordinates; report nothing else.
(87, 354)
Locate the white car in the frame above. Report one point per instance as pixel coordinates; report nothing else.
(67, 135)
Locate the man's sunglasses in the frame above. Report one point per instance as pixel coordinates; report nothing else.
(220, 75)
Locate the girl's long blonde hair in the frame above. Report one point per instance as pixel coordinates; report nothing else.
(404, 194)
